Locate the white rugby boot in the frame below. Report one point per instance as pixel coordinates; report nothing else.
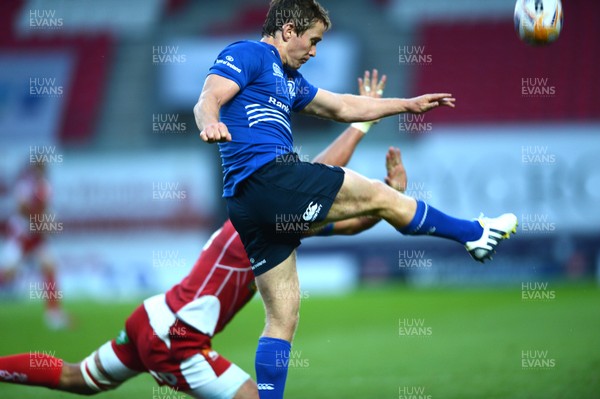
(494, 231)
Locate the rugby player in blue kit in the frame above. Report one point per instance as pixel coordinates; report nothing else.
(245, 106)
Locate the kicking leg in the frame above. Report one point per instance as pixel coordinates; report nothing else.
(360, 196)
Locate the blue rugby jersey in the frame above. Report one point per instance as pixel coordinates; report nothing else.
(258, 117)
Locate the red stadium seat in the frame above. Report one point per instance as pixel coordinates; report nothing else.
(483, 65)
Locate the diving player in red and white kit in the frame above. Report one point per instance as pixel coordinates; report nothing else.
(26, 240)
(169, 335)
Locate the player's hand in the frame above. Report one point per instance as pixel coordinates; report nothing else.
(396, 174)
(424, 103)
(371, 86)
(215, 133)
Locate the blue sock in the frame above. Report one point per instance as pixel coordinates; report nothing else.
(428, 220)
(271, 364)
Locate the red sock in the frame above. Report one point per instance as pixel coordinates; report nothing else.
(32, 368)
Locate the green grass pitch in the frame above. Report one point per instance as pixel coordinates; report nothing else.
(387, 342)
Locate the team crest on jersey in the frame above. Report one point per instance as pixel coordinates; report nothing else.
(291, 84)
(277, 71)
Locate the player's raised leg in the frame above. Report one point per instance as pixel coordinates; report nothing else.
(361, 196)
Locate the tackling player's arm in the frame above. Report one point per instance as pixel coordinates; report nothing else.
(217, 91)
(353, 108)
(340, 151)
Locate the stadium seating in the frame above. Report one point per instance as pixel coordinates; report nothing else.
(496, 62)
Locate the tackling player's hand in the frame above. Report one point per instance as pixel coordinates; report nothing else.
(371, 86)
(215, 133)
(396, 174)
(427, 102)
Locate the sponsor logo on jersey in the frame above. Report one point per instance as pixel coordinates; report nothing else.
(262, 262)
(265, 387)
(229, 64)
(277, 71)
(279, 104)
(210, 354)
(122, 338)
(229, 58)
(312, 211)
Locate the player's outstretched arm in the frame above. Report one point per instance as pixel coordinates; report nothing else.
(216, 92)
(395, 178)
(340, 151)
(352, 108)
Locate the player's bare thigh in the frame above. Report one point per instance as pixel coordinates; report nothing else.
(361, 196)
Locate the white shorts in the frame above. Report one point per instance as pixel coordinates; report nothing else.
(204, 374)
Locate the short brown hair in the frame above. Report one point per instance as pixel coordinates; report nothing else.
(302, 13)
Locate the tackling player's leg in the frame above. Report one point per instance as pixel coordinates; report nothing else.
(247, 391)
(99, 372)
(85, 378)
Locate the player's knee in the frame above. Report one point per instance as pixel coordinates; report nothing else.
(285, 316)
(293, 320)
(386, 198)
(282, 325)
(71, 380)
(247, 391)
(285, 323)
(379, 194)
(293, 316)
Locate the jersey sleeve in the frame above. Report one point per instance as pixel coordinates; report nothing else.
(305, 92)
(238, 62)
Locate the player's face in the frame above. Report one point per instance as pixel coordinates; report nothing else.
(301, 48)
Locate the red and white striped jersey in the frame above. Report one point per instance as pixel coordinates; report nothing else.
(219, 285)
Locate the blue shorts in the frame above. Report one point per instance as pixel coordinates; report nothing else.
(275, 207)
